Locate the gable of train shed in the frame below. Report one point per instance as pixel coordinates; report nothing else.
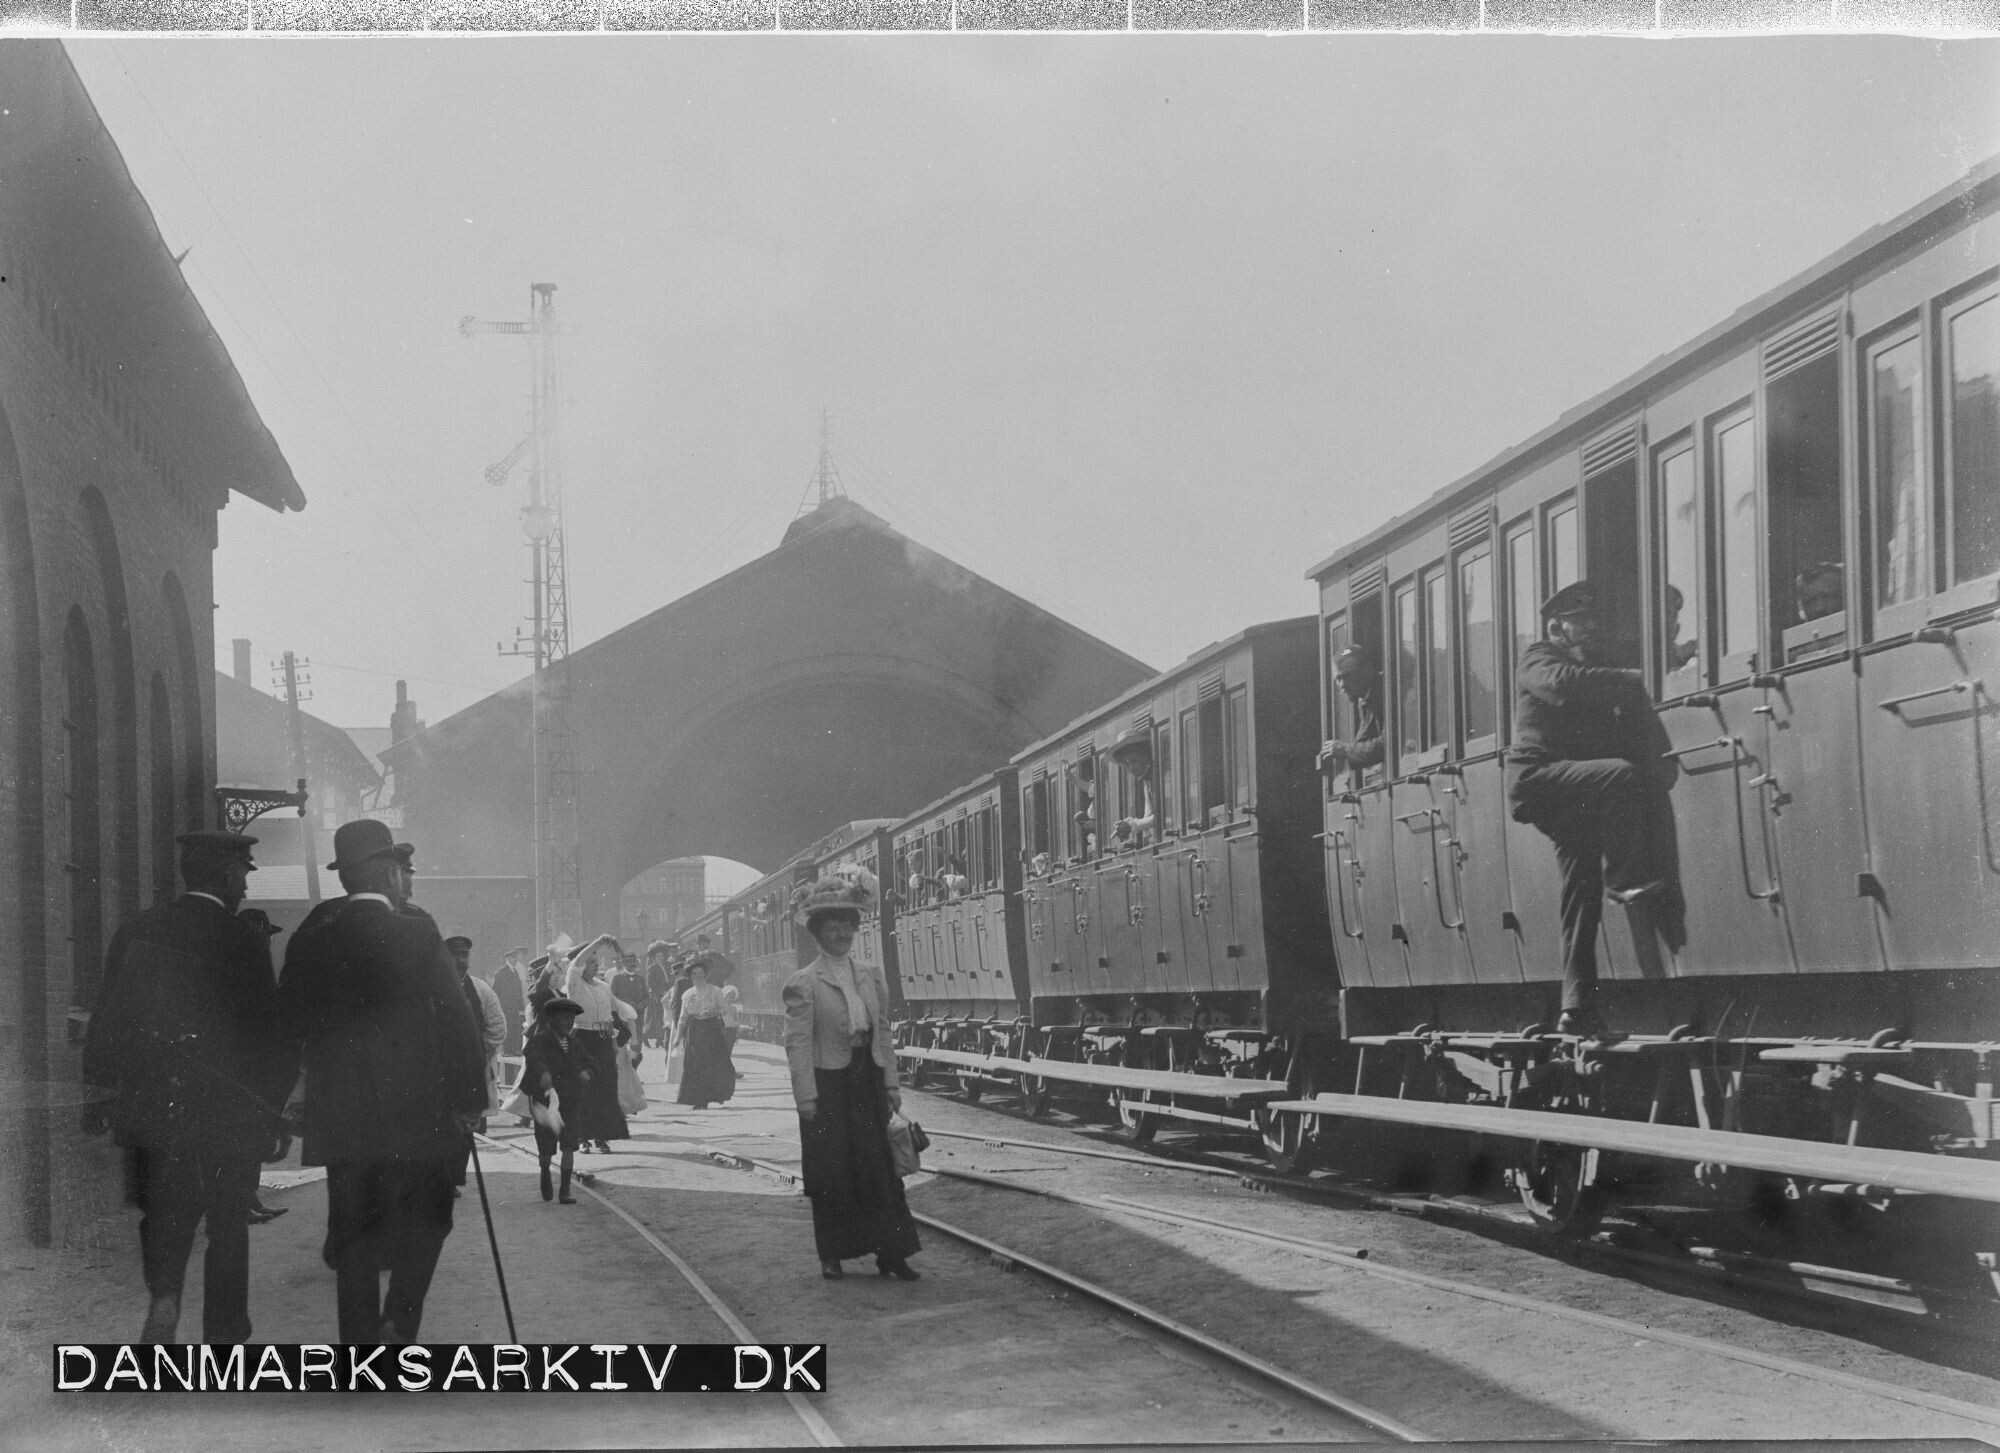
(850, 673)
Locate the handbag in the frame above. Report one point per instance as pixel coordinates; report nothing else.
(906, 1141)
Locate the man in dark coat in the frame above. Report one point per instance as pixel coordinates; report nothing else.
(1587, 769)
(394, 1080)
(1359, 676)
(659, 978)
(510, 983)
(186, 1031)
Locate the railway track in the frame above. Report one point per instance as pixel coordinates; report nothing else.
(1833, 1294)
(1372, 1422)
(817, 1429)
(1355, 1259)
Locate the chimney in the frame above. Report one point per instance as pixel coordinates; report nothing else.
(403, 720)
(242, 648)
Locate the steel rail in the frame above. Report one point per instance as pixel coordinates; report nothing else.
(1744, 1270)
(1347, 1257)
(1159, 1321)
(822, 1433)
(1147, 1160)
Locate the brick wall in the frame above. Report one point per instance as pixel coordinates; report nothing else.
(69, 427)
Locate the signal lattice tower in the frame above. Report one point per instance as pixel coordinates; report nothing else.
(558, 867)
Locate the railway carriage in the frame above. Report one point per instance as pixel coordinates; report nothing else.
(960, 937)
(1794, 525)
(1173, 924)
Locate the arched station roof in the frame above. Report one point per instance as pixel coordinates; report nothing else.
(849, 673)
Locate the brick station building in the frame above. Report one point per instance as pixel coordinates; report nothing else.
(124, 430)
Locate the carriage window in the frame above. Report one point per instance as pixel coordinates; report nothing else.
(1476, 641)
(1562, 552)
(1237, 710)
(1896, 470)
(1409, 674)
(1611, 559)
(1163, 775)
(1523, 604)
(1680, 605)
(1214, 777)
(983, 857)
(1437, 660)
(1808, 562)
(1191, 813)
(1339, 711)
(934, 858)
(1972, 439)
(1735, 455)
(1083, 808)
(1037, 814)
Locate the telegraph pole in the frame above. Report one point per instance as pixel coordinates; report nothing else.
(297, 724)
(558, 868)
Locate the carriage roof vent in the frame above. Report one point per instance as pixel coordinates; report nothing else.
(1472, 525)
(1363, 583)
(1810, 340)
(1613, 448)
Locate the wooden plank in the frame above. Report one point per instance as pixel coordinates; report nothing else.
(1164, 1082)
(1974, 1180)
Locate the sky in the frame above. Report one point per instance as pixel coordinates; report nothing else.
(1139, 327)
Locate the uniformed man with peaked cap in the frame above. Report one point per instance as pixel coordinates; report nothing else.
(186, 1033)
(1586, 768)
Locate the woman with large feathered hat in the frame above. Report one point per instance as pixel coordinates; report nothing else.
(843, 1064)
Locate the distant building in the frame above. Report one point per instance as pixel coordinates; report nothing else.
(124, 430)
(253, 749)
(663, 900)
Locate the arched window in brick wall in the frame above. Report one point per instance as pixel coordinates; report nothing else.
(83, 856)
(124, 738)
(194, 768)
(162, 768)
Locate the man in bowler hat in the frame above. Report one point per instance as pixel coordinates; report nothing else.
(394, 1080)
(186, 1031)
(1586, 767)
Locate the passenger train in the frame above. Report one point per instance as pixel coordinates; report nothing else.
(1794, 524)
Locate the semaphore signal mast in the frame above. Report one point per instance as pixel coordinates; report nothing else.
(558, 867)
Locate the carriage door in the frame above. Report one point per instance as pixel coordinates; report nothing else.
(1807, 740)
(1427, 919)
(1166, 944)
(1474, 851)
(1710, 659)
(1930, 730)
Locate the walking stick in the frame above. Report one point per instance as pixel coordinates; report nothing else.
(492, 1240)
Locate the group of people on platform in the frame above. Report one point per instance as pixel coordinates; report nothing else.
(376, 1045)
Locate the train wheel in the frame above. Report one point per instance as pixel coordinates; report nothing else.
(1287, 1143)
(1139, 1123)
(1559, 1188)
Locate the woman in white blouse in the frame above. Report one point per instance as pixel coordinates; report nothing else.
(707, 1076)
(843, 1066)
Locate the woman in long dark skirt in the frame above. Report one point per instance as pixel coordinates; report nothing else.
(843, 1065)
(707, 1075)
